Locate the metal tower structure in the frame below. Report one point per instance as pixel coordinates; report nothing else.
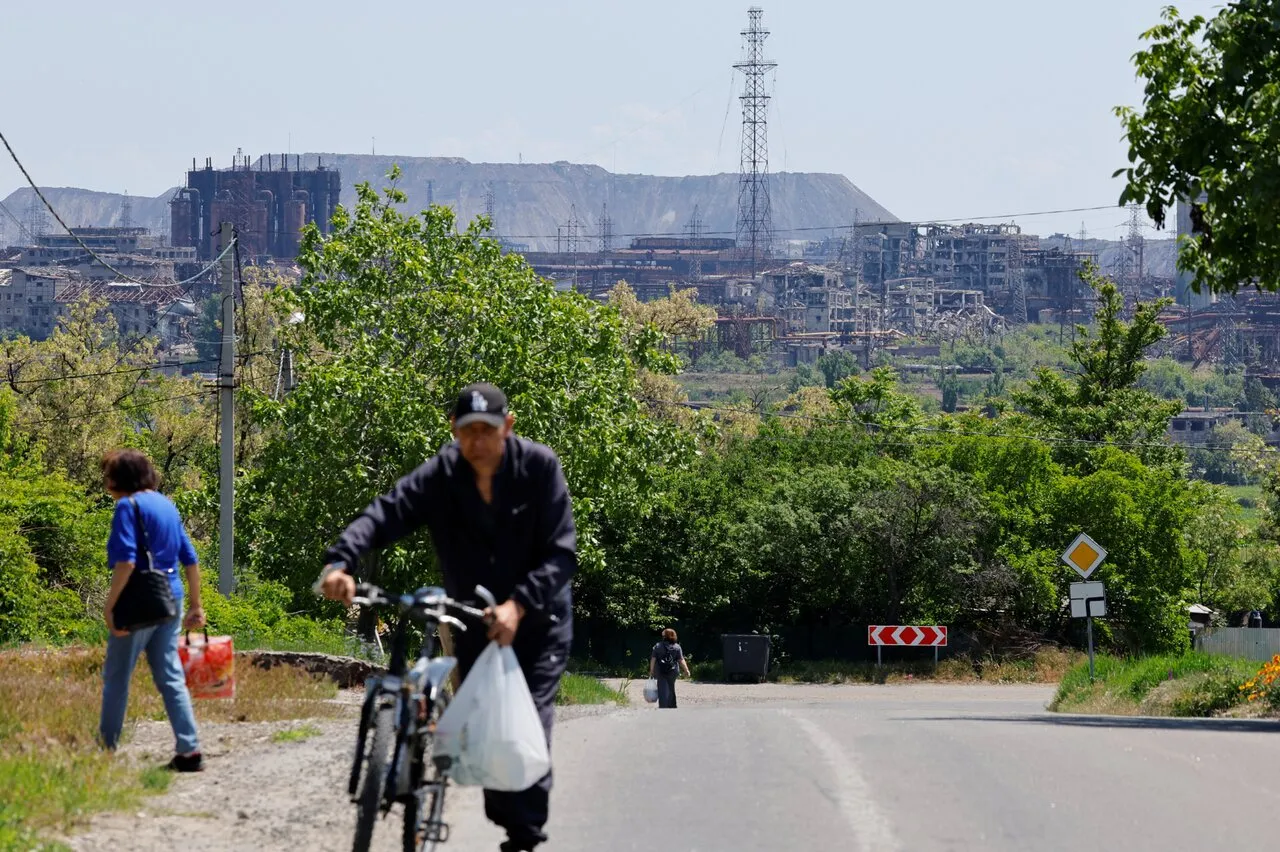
(606, 229)
(755, 223)
(1134, 260)
(126, 211)
(489, 202)
(694, 229)
(34, 219)
(568, 233)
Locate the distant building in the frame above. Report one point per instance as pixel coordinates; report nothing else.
(33, 298)
(810, 299)
(269, 203)
(159, 310)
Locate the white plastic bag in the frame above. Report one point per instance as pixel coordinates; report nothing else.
(651, 691)
(491, 727)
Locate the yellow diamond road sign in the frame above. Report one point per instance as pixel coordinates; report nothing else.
(1084, 555)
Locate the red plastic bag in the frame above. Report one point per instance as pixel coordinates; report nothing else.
(210, 666)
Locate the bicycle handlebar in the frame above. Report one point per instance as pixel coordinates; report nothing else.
(435, 604)
(368, 594)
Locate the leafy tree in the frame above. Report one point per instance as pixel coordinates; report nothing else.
(1231, 569)
(950, 387)
(837, 366)
(52, 577)
(876, 402)
(676, 316)
(1207, 126)
(77, 395)
(1101, 404)
(398, 313)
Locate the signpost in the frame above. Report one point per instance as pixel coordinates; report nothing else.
(881, 635)
(1087, 599)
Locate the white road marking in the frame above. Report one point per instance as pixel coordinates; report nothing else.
(854, 795)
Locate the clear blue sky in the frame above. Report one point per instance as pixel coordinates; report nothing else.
(937, 109)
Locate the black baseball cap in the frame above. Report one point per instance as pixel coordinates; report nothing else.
(480, 402)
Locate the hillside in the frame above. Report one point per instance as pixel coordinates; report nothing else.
(532, 200)
(86, 208)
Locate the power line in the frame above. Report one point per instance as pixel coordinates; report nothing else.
(152, 367)
(22, 228)
(88, 414)
(49, 379)
(76, 236)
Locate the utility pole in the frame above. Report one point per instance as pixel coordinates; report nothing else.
(226, 410)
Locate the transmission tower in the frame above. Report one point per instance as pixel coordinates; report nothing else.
(694, 229)
(126, 211)
(35, 219)
(606, 229)
(1134, 259)
(489, 200)
(754, 220)
(567, 234)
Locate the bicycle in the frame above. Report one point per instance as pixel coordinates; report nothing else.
(398, 719)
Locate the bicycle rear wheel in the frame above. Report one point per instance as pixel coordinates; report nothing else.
(375, 776)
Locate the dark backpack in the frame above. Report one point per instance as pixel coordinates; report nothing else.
(668, 660)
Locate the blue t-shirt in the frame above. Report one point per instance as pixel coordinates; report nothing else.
(166, 537)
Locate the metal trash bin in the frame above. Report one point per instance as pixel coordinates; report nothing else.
(746, 655)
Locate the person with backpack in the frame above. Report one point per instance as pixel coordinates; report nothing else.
(665, 664)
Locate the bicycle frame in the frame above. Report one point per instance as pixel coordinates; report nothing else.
(414, 695)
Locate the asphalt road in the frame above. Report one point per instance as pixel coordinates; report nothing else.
(912, 768)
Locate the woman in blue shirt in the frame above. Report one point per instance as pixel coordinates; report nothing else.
(130, 479)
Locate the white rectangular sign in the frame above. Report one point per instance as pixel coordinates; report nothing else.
(1080, 595)
(1087, 590)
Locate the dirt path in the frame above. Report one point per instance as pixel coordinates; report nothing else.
(258, 794)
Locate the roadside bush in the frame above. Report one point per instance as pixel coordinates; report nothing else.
(1207, 694)
(257, 617)
(1262, 687)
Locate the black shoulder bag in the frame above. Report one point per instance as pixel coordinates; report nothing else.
(147, 599)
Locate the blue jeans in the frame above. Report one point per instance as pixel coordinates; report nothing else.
(161, 644)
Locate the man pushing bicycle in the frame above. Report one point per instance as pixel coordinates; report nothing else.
(499, 513)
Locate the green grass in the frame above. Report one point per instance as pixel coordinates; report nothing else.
(1191, 684)
(296, 735)
(579, 689)
(55, 789)
(53, 775)
(1249, 498)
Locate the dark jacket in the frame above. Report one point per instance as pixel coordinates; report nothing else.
(521, 546)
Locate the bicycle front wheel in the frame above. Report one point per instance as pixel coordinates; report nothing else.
(424, 825)
(375, 776)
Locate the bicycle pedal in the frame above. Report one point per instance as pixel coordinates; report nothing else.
(437, 832)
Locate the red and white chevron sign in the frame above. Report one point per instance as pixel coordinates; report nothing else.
(880, 634)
